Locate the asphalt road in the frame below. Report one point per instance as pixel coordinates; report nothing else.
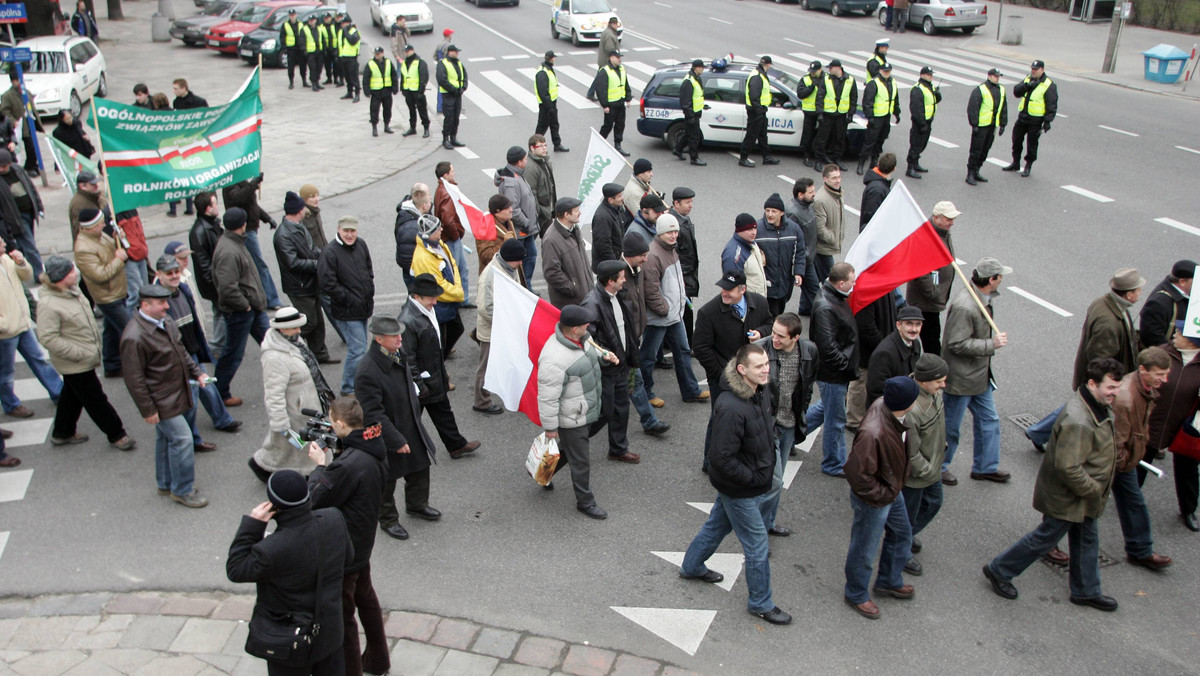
(511, 554)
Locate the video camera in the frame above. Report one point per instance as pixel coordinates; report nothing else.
(318, 429)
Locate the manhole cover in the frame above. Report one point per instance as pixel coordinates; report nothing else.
(1024, 420)
(1105, 562)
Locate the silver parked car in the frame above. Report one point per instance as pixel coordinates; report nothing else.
(935, 15)
(193, 28)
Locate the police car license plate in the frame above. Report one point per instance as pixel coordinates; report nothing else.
(246, 52)
(214, 43)
(658, 113)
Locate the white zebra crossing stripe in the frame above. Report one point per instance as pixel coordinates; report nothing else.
(861, 75)
(467, 153)
(28, 432)
(943, 143)
(522, 94)
(490, 107)
(14, 484)
(577, 75)
(564, 93)
(29, 389)
(916, 69)
(939, 63)
(3, 542)
(1018, 69)
(641, 67)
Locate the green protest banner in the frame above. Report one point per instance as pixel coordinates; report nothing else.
(69, 162)
(156, 156)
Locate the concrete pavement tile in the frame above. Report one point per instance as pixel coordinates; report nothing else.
(212, 671)
(417, 626)
(250, 666)
(458, 663)
(630, 665)
(13, 608)
(236, 645)
(223, 663)
(518, 670)
(51, 662)
(585, 660)
(496, 642)
(10, 656)
(410, 658)
(676, 671)
(455, 634)
(86, 623)
(92, 667)
(112, 623)
(234, 608)
(42, 633)
(184, 605)
(540, 652)
(200, 635)
(7, 629)
(78, 640)
(135, 604)
(165, 665)
(153, 632)
(124, 660)
(69, 604)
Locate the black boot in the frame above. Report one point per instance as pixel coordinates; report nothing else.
(861, 162)
(374, 130)
(979, 177)
(1025, 171)
(446, 143)
(291, 84)
(411, 131)
(426, 134)
(455, 142)
(560, 148)
(1016, 164)
(744, 161)
(919, 168)
(387, 128)
(348, 95)
(678, 154)
(355, 97)
(620, 149)
(971, 177)
(912, 172)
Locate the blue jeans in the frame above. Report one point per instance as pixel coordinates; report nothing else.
(174, 459)
(890, 521)
(529, 263)
(922, 504)
(1084, 545)
(264, 272)
(190, 415)
(809, 289)
(641, 401)
(238, 327)
(25, 343)
(210, 398)
(136, 277)
(986, 427)
(785, 438)
(27, 245)
(355, 333)
(675, 337)
(1039, 432)
(116, 316)
(460, 258)
(216, 337)
(830, 414)
(1133, 514)
(746, 517)
(327, 308)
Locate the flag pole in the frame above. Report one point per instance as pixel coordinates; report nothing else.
(975, 296)
(107, 188)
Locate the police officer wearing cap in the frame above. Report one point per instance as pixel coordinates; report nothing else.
(837, 98)
(379, 76)
(310, 37)
(1037, 104)
(545, 87)
(879, 102)
(758, 100)
(691, 102)
(923, 99)
(349, 43)
(807, 92)
(289, 37)
(879, 58)
(612, 88)
(987, 111)
(452, 82)
(414, 76)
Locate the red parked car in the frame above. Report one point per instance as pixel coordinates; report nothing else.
(224, 37)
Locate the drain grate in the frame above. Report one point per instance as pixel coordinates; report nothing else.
(1023, 420)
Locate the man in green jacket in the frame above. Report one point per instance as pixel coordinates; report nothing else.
(1072, 488)
(926, 450)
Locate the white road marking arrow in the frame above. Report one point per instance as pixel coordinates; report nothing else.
(683, 628)
(729, 565)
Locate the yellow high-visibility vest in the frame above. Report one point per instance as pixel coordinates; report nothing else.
(618, 83)
(930, 100)
(454, 73)
(380, 80)
(346, 49)
(885, 99)
(289, 35)
(410, 75)
(1036, 99)
(809, 103)
(697, 93)
(836, 102)
(310, 44)
(764, 97)
(989, 112)
(551, 85)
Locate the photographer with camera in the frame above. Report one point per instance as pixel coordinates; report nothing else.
(292, 384)
(353, 483)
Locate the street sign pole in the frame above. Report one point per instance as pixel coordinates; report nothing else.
(1121, 12)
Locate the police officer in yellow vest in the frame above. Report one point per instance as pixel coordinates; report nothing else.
(290, 40)
(987, 111)
(758, 100)
(879, 102)
(612, 89)
(452, 82)
(878, 58)
(807, 91)
(379, 77)
(414, 77)
(837, 98)
(330, 40)
(691, 101)
(545, 87)
(1037, 104)
(923, 99)
(349, 42)
(310, 37)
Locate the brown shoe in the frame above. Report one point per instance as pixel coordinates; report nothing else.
(125, 443)
(1153, 562)
(949, 479)
(21, 412)
(905, 592)
(657, 402)
(465, 450)
(1057, 557)
(78, 438)
(164, 491)
(867, 609)
(631, 458)
(10, 461)
(7, 434)
(205, 447)
(999, 476)
(233, 401)
(703, 396)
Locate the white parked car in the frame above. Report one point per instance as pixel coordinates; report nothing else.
(419, 15)
(580, 20)
(65, 72)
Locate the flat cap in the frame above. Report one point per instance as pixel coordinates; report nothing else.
(910, 313)
(608, 270)
(989, 267)
(634, 245)
(611, 190)
(565, 204)
(682, 193)
(1184, 269)
(574, 315)
(652, 201)
(166, 263)
(930, 367)
(153, 291)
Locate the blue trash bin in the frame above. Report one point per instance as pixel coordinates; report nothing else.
(1165, 63)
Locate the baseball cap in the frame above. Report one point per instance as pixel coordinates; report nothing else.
(177, 248)
(732, 279)
(1038, 64)
(947, 209)
(815, 65)
(447, 33)
(995, 71)
(988, 267)
(926, 70)
(766, 59)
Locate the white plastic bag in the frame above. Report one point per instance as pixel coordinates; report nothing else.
(542, 459)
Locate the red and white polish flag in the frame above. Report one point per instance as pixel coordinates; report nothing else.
(468, 213)
(521, 324)
(896, 247)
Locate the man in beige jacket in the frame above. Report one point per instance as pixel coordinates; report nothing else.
(16, 334)
(101, 262)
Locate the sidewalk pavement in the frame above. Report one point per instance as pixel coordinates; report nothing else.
(308, 137)
(1078, 48)
(175, 634)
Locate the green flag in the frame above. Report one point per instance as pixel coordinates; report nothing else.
(69, 162)
(156, 156)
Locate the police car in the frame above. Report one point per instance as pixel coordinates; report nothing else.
(724, 118)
